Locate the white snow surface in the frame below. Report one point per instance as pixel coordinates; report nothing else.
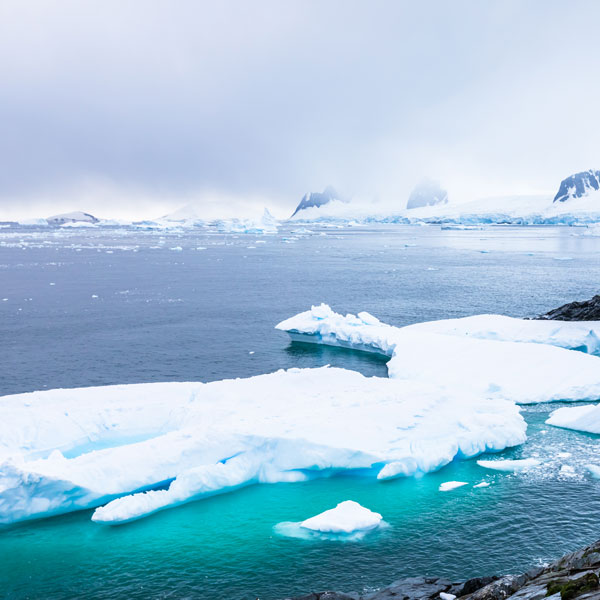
(346, 517)
(63, 450)
(490, 356)
(580, 418)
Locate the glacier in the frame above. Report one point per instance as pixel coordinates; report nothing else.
(506, 210)
(131, 450)
(489, 356)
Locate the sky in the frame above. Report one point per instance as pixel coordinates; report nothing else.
(134, 108)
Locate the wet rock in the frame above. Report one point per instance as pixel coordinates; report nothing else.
(588, 310)
(472, 585)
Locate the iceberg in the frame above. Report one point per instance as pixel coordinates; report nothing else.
(134, 449)
(509, 358)
(579, 418)
(346, 517)
(572, 335)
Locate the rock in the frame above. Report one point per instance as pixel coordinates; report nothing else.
(472, 585)
(578, 185)
(500, 589)
(316, 199)
(427, 192)
(574, 576)
(413, 588)
(588, 310)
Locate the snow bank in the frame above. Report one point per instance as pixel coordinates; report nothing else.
(62, 450)
(580, 418)
(346, 517)
(445, 354)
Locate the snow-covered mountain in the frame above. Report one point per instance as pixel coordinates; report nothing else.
(578, 185)
(72, 217)
(428, 192)
(317, 199)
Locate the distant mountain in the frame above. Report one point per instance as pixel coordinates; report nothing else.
(427, 192)
(578, 185)
(72, 217)
(316, 199)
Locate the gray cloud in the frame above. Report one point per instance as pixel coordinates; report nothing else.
(143, 105)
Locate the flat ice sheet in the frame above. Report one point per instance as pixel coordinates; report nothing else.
(489, 355)
(67, 449)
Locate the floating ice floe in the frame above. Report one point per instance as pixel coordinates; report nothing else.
(524, 371)
(346, 517)
(348, 521)
(482, 484)
(580, 418)
(451, 485)
(63, 450)
(512, 466)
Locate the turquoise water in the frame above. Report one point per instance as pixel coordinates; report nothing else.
(196, 315)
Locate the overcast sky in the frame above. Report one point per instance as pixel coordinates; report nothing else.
(134, 108)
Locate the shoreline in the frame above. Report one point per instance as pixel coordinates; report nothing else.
(574, 575)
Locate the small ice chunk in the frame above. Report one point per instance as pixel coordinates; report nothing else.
(346, 517)
(482, 484)
(451, 485)
(594, 471)
(94, 295)
(509, 465)
(445, 596)
(567, 471)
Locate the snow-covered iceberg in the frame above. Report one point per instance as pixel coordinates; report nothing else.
(346, 517)
(136, 449)
(580, 418)
(572, 335)
(522, 371)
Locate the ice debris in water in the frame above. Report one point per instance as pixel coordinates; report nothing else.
(523, 464)
(451, 485)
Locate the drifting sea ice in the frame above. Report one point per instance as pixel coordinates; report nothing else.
(64, 450)
(447, 486)
(528, 370)
(346, 517)
(348, 521)
(580, 418)
(513, 466)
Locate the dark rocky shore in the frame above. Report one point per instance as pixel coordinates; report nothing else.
(589, 310)
(574, 575)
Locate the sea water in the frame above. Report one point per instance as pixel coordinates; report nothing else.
(102, 306)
